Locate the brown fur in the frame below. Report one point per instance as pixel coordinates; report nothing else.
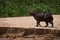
(46, 17)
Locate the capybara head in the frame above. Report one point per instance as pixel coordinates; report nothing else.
(33, 13)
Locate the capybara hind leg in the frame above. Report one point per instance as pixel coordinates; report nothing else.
(46, 24)
(51, 23)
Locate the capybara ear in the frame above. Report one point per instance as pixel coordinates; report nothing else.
(30, 13)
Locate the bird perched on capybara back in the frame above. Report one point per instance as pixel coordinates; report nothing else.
(42, 16)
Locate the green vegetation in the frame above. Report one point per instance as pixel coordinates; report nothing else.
(13, 8)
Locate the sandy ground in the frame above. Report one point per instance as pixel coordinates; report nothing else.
(26, 22)
(45, 37)
(19, 39)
